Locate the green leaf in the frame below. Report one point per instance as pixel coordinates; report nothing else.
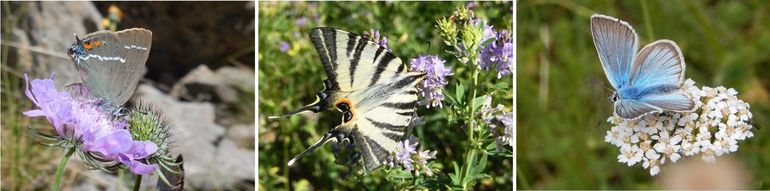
(400, 174)
(491, 146)
(456, 175)
(452, 99)
(477, 102)
(483, 162)
(459, 92)
(489, 41)
(502, 86)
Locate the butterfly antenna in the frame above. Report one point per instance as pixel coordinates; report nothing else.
(327, 137)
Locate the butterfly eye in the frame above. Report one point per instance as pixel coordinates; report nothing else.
(613, 98)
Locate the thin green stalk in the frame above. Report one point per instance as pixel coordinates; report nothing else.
(60, 169)
(471, 124)
(647, 22)
(137, 182)
(524, 184)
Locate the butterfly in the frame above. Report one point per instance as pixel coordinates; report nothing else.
(645, 82)
(372, 89)
(110, 64)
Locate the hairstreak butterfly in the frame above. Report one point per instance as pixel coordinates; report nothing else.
(111, 63)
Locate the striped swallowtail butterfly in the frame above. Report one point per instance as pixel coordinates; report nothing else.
(370, 86)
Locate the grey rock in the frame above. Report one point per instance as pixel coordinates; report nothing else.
(237, 77)
(49, 29)
(202, 84)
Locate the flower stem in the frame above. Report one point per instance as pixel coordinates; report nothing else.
(60, 169)
(137, 182)
(471, 124)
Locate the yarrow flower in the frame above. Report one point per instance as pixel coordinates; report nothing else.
(407, 156)
(435, 79)
(375, 36)
(80, 123)
(714, 129)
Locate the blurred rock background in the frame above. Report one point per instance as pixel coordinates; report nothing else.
(200, 73)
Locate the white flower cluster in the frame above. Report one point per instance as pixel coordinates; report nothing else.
(713, 129)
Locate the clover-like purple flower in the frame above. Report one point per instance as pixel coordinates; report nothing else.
(403, 155)
(301, 22)
(435, 79)
(408, 156)
(374, 35)
(498, 54)
(80, 122)
(283, 46)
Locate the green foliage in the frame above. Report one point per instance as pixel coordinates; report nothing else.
(290, 79)
(561, 88)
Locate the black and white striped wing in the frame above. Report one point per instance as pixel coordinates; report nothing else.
(371, 87)
(377, 128)
(353, 62)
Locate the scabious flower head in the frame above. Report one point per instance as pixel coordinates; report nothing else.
(407, 155)
(435, 79)
(82, 124)
(719, 122)
(283, 46)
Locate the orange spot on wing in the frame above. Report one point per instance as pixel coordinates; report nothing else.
(97, 43)
(88, 45)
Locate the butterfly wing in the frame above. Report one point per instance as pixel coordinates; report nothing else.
(380, 91)
(379, 123)
(114, 63)
(657, 74)
(633, 109)
(352, 61)
(616, 43)
(658, 63)
(654, 103)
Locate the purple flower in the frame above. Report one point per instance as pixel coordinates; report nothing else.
(301, 22)
(79, 121)
(283, 46)
(489, 32)
(407, 156)
(403, 154)
(374, 35)
(435, 79)
(498, 54)
(55, 106)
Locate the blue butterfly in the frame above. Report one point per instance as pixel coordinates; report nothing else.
(646, 82)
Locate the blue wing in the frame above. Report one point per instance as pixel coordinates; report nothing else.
(616, 43)
(659, 63)
(633, 109)
(672, 101)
